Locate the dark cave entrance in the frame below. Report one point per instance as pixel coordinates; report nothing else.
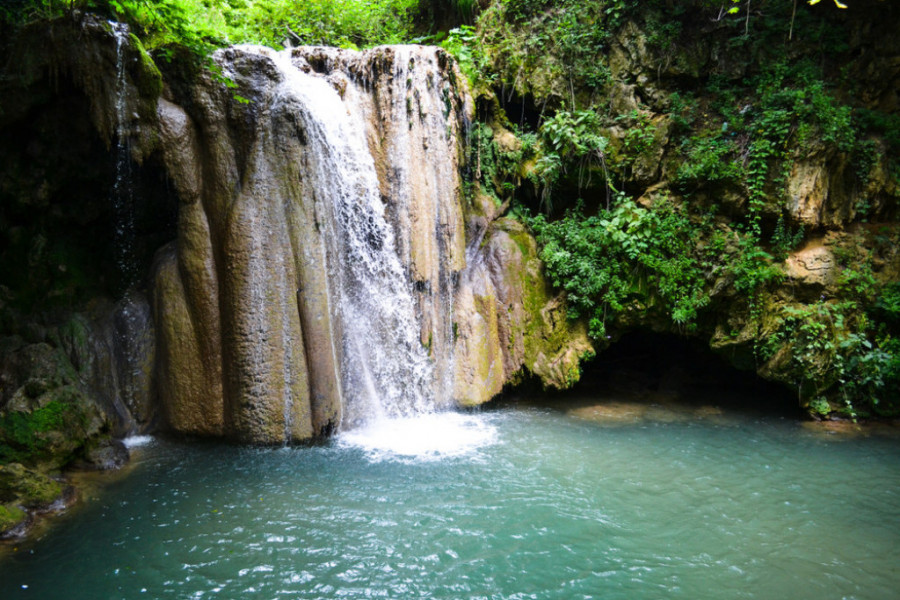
(664, 370)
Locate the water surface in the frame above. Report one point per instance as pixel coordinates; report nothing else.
(539, 504)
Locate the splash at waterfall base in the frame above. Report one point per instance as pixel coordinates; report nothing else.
(329, 270)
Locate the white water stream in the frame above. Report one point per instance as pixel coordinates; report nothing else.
(385, 371)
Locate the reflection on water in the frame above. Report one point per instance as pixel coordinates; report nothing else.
(608, 498)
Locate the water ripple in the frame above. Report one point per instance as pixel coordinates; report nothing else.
(549, 507)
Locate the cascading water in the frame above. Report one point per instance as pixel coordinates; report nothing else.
(127, 320)
(395, 339)
(385, 371)
(323, 237)
(420, 119)
(122, 192)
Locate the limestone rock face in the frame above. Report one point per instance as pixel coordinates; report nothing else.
(112, 347)
(249, 346)
(816, 191)
(812, 267)
(508, 321)
(249, 339)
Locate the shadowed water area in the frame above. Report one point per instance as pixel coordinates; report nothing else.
(678, 501)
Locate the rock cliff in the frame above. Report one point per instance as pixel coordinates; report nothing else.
(245, 298)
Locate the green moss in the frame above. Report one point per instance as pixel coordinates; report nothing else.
(10, 516)
(148, 79)
(27, 487)
(545, 334)
(33, 436)
(41, 492)
(819, 406)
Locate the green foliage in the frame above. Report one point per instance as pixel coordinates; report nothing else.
(638, 138)
(819, 406)
(751, 268)
(887, 305)
(568, 141)
(345, 23)
(887, 125)
(573, 134)
(493, 168)
(835, 352)
(793, 108)
(23, 11)
(682, 112)
(203, 25)
(626, 253)
(784, 239)
(563, 41)
(465, 46)
(769, 145)
(707, 160)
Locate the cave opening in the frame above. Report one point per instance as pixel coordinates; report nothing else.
(659, 368)
(522, 110)
(671, 374)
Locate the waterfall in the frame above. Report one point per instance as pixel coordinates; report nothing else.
(128, 320)
(123, 192)
(385, 370)
(420, 122)
(321, 234)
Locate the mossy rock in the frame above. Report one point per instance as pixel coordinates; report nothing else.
(11, 517)
(51, 429)
(27, 487)
(148, 78)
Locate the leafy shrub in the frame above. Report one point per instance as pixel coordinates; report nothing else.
(624, 253)
(707, 160)
(568, 140)
(887, 305)
(837, 353)
(202, 25)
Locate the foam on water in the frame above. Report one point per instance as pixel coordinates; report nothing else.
(133, 441)
(425, 437)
